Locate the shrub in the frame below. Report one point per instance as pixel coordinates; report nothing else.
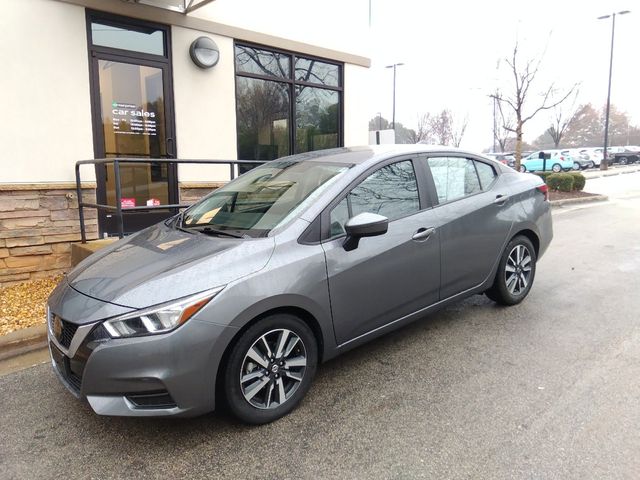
(560, 181)
(544, 175)
(578, 180)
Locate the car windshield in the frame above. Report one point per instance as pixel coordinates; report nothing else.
(261, 199)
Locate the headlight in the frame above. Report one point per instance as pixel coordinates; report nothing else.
(159, 319)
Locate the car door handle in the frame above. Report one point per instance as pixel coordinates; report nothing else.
(501, 199)
(423, 234)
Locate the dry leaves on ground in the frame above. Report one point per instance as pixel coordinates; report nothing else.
(23, 305)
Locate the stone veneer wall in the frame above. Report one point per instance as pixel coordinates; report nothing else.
(38, 223)
(191, 192)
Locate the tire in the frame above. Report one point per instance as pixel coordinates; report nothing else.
(591, 165)
(503, 290)
(556, 168)
(523, 169)
(271, 388)
(576, 166)
(624, 161)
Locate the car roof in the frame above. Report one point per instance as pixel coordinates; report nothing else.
(372, 153)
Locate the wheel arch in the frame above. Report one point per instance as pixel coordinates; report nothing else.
(531, 235)
(304, 314)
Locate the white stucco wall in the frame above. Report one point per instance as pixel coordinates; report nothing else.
(205, 107)
(46, 113)
(356, 105)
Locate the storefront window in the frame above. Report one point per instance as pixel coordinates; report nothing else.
(283, 110)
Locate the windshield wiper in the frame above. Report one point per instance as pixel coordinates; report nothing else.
(206, 229)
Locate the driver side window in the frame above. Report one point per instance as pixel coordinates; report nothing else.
(391, 191)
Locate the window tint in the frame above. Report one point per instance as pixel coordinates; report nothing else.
(391, 191)
(134, 38)
(454, 177)
(486, 174)
(337, 219)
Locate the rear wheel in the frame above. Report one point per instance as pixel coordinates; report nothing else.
(516, 272)
(576, 166)
(270, 369)
(624, 161)
(556, 167)
(591, 165)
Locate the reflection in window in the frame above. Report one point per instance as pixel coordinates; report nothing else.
(135, 38)
(486, 174)
(454, 177)
(270, 94)
(316, 118)
(263, 119)
(391, 191)
(262, 62)
(314, 71)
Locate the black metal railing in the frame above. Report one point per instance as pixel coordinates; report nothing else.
(117, 209)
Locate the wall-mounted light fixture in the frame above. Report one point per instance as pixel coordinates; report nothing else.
(204, 52)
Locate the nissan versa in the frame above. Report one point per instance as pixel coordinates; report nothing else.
(241, 296)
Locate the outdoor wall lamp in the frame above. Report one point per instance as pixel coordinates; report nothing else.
(204, 52)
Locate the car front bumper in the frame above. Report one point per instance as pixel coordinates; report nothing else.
(156, 375)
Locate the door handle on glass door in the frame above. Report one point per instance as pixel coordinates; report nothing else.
(423, 233)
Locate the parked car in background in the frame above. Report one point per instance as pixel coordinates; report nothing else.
(557, 162)
(504, 158)
(625, 155)
(594, 154)
(243, 294)
(580, 160)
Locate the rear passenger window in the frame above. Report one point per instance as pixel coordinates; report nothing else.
(391, 191)
(486, 173)
(454, 177)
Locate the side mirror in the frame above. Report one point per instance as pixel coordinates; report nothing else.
(364, 225)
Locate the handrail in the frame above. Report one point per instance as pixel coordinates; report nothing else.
(119, 211)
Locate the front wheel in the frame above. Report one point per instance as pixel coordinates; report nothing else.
(523, 169)
(591, 165)
(556, 168)
(516, 272)
(624, 161)
(270, 369)
(576, 166)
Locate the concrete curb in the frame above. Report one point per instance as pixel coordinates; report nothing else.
(576, 201)
(609, 173)
(23, 341)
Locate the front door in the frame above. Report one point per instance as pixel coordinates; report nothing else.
(389, 276)
(133, 118)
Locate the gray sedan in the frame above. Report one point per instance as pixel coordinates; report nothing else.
(242, 295)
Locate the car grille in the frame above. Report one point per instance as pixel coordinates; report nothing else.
(63, 365)
(62, 330)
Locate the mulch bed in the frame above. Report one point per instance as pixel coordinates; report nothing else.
(557, 195)
(23, 305)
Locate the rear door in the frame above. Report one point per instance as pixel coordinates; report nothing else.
(475, 214)
(391, 275)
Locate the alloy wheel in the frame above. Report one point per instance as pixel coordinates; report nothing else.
(518, 270)
(273, 369)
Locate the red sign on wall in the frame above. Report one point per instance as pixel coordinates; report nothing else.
(127, 202)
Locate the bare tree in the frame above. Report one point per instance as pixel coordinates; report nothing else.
(457, 129)
(524, 78)
(440, 127)
(504, 128)
(422, 132)
(561, 119)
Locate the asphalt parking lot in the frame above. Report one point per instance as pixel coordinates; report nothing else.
(546, 389)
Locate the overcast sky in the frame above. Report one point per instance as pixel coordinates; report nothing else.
(450, 49)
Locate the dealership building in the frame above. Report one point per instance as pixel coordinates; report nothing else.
(159, 79)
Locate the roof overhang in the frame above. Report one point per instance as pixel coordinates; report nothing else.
(181, 6)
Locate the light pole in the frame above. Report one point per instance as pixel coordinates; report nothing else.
(393, 118)
(604, 163)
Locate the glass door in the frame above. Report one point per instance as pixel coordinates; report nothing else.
(133, 117)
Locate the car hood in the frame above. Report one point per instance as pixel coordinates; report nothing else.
(160, 264)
